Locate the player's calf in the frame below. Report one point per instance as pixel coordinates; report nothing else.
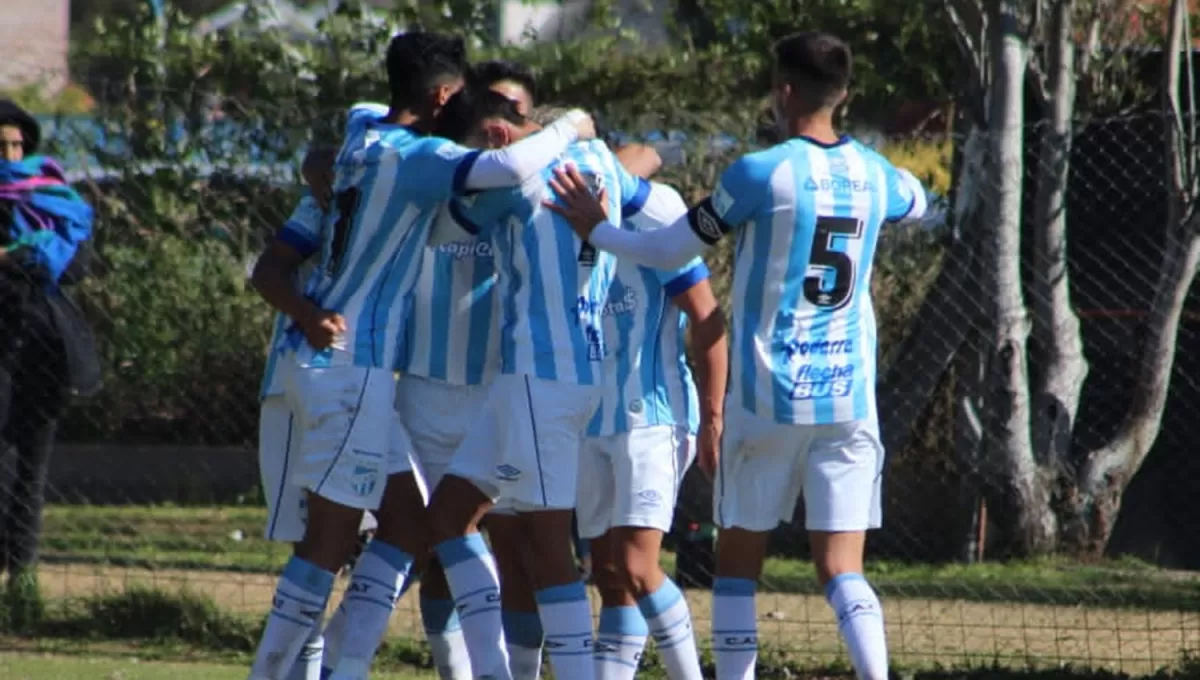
(523, 631)
(304, 587)
(838, 557)
(381, 574)
(630, 580)
(454, 513)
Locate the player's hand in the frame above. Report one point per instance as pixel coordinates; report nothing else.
(708, 447)
(323, 328)
(585, 125)
(317, 170)
(576, 203)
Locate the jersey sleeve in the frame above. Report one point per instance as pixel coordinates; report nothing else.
(905, 195)
(740, 194)
(679, 281)
(364, 112)
(302, 231)
(478, 212)
(437, 168)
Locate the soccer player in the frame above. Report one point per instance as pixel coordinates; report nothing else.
(353, 453)
(641, 442)
(802, 408)
(292, 256)
(524, 447)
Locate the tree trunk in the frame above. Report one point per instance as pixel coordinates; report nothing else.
(1020, 494)
(1057, 346)
(1107, 471)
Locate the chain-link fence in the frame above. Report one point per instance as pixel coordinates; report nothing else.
(154, 480)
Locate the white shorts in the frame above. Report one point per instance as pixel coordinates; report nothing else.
(632, 479)
(436, 415)
(524, 446)
(277, 457)
(766, 465)
(349, 438)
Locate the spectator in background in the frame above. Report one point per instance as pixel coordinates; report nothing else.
(47, 351)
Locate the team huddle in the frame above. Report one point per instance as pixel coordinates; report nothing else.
(533, 289)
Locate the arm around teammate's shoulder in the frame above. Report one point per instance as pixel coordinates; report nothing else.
(441, 168)
(669, 247)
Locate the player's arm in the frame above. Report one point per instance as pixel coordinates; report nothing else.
(274, 275)
(441, 169)
(640, 160)
(686, 237)
(906, 198)
(711, 356)
(692, 292)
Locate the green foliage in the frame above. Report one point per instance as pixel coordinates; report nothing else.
(182, 335)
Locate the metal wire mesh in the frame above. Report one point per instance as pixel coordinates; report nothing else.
(154, 480)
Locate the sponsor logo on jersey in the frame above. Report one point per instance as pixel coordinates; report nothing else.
(626, 304)
(460, 250)
(822, 382)
(799, 349)
(838, 184)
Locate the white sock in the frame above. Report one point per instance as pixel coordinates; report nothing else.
(471, 572)
(567, 621)
(860, 620)
(335, 632)
(446, 642)
(308, 666)
(735, 628)
(375, 586)
(299, 604)
(619, 643)
(523, 633)
(670, 622)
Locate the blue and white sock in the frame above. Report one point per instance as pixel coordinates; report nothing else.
(567, 622)
(447, 645)
(523, 633)
(471, 573)
(375, 586)
(299, 605)
(860, 620)
(619, 643)
(308, 666)
(670, 622)
(735, 628)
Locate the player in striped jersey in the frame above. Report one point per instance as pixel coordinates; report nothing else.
(354, 454)
(802, 407)
(296, 242)
(525, 446)
(640, 443)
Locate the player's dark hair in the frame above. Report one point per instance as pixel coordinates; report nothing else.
(817, 64)
(419, 61)
(489, 73)
(472, 105)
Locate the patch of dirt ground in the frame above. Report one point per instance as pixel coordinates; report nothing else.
(920, 631)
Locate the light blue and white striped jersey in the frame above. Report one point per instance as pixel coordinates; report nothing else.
(552, 286)
(649, 382)
(302, 232)
(453, 330)
(390, 182)
(808, 217)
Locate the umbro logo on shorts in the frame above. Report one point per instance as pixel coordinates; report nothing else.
(507, 473)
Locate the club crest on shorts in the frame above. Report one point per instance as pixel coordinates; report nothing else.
(364, 479)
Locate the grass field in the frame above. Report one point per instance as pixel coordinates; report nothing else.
(33, 666)
(1120, 615)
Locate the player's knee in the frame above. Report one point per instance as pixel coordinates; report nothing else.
(611, 580)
